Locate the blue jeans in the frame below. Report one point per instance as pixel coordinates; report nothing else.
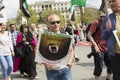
(6, 63)
(62, 74)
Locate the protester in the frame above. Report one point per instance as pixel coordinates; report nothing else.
(78, 35)
(6, 52)
(99, 49)
(110, 24)
(28, 42)
(58, 71)
(84, 26)
(14, 33)
(34, 30)
(71, 29)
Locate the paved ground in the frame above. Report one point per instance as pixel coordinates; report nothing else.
(83, 70)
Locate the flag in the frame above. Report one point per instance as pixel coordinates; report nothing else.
(1, 5)
(24, 21)
(73, 16)
(96, 4)
(72, 13)
(3, 17)
(24, 8)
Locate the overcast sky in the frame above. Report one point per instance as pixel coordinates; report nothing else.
(12, 6)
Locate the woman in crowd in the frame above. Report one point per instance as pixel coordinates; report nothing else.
(28, 42)
(6, 50)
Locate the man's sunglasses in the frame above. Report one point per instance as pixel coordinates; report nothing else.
(53, 22)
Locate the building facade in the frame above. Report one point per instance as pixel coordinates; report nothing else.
(63, 7)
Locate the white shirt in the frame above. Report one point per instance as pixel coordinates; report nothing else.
(5, 44)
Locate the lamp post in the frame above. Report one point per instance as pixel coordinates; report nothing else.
(41, 19)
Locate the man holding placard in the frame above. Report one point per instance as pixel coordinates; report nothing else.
(56, 51)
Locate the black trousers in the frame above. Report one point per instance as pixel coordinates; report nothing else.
(98, 62)
(115, 64)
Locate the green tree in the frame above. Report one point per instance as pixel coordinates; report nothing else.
(10, 21)
(90, 15)
(32, 19)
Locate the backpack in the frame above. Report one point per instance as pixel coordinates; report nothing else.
(88, 28)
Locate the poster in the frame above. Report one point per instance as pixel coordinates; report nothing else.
(53, 47)
(117, 36)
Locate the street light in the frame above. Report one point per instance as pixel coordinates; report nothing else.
(41, 19)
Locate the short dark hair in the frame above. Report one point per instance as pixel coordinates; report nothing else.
(22, 27)
(0, 24)
(11, 25)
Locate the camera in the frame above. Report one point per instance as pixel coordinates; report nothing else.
(99, 55)
(30, 48)
(90, 55)
(94, 54)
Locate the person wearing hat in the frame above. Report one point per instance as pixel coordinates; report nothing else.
(99, 49)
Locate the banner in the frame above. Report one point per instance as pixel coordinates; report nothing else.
(53, 48)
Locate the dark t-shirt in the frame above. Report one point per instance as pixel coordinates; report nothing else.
(69, 30)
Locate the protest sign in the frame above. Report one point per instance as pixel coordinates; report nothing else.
(53, 47)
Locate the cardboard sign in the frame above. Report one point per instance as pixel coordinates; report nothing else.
(53, 47)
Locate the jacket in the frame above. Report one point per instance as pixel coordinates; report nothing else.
(108, 35)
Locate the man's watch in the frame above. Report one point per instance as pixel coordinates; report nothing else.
(69, 65)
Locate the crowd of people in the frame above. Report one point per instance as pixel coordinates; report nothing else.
(27, 37)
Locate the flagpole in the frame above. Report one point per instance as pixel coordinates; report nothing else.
(81, 14)
(106, 7)
(20, 7)
(21, 15)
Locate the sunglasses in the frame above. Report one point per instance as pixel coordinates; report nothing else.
(53, 22)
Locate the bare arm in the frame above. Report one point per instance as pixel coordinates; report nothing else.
(71, 56)
(93, 41)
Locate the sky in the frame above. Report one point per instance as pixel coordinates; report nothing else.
(12, 6)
